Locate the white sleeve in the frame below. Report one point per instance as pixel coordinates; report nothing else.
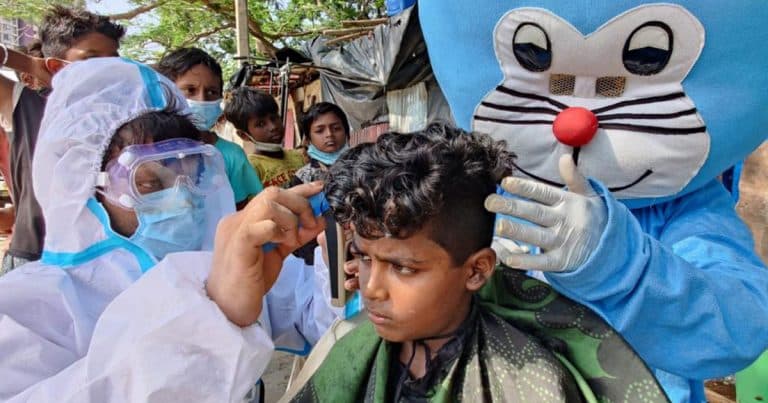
(299, 303)
(160, 340)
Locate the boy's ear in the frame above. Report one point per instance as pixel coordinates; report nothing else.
(28, 80)
(53, 65)
(481, 265)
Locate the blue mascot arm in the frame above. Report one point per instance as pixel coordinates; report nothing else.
(692, 298)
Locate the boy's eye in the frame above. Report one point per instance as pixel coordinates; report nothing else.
(360, 256)
(149, 186)
(403, 270)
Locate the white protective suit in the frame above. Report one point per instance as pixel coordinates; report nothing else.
(77, 326)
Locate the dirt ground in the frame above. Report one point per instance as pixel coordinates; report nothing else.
(276, 376)
(753, 200)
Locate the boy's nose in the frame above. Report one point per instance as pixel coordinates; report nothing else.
(375, 285)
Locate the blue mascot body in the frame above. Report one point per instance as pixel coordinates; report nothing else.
(653, 101)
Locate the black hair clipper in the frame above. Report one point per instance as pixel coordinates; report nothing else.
(338, 247)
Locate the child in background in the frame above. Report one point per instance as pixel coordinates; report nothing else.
(199, 78)
(326, 129)
(256, 118)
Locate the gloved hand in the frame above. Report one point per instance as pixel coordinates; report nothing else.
(567, 224)
(505, 248)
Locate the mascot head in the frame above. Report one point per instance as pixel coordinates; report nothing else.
(652, 99)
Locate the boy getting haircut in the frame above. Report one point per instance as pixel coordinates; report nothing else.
(256, 118)
(444, 323)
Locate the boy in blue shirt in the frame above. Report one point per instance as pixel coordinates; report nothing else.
(199, 78)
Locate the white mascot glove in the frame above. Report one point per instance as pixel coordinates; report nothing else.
(506, 247)
(567, 224)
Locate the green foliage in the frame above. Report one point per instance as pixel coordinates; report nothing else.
(209, 24)
(32, 10)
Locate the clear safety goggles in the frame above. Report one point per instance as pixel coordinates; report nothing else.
(143, 169)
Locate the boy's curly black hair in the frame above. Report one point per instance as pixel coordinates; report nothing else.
(62, 26)
(436, 179)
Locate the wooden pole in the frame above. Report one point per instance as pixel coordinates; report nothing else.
(241, 26)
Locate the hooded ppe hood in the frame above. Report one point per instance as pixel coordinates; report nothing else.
(91, 100)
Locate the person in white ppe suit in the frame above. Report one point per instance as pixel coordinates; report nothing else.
(122, 184)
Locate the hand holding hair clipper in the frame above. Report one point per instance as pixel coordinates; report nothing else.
(565, 224)
(252, 244)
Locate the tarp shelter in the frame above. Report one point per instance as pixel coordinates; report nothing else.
(384, 77)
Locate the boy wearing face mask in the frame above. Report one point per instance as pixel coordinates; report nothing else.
(199, 78)
(256, 117)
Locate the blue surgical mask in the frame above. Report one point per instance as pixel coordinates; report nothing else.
(205, 113)
(325, 158)
(170, 221)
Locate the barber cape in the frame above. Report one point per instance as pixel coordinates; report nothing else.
(524, 343)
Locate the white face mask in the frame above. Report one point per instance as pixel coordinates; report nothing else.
(262, 146)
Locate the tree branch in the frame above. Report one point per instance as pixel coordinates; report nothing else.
(343, 38)
(364, 22)
(205, 34)
(346, 31)
(130, 14)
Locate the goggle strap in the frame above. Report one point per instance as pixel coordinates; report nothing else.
(102, 179)
(126, 158)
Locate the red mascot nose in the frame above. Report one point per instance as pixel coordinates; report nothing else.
(575, 126)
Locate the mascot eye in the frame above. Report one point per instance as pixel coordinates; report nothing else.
(532, 47)
(648, 49)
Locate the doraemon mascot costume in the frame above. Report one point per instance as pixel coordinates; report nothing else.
(651, 102)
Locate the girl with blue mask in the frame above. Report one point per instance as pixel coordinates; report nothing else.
(326, 133)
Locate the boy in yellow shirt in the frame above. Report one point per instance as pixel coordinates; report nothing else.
(257, 119)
